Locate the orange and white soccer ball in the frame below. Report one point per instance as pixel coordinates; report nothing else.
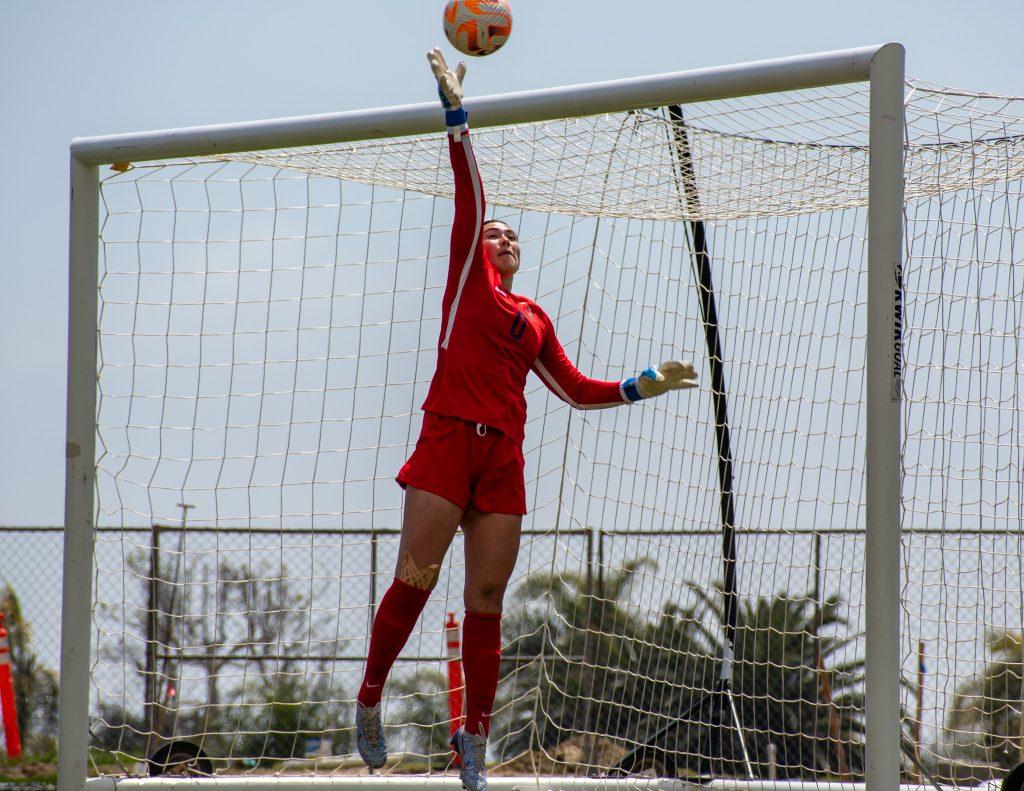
(477, 27)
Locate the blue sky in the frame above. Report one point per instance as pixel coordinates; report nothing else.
(72, 69)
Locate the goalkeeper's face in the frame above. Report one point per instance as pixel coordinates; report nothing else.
(501, 248)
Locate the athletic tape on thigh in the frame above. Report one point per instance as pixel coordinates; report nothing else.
(411, 574)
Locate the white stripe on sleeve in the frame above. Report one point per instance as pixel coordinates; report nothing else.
(545, 374)
(477, 196)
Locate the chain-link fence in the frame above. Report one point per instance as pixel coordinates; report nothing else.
(189, 621)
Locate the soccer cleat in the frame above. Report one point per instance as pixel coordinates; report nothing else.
(472, 751)
(370, 741)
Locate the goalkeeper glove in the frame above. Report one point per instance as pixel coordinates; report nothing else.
(449, 87)
(656, 380)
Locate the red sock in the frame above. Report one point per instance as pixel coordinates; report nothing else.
(481, 654)
(396, 616)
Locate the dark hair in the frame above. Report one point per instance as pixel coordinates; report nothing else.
(493, 220)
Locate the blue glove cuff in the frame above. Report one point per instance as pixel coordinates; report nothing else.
(629, 390)
(455, 117)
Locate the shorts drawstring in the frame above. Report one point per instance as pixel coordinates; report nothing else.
(481, 430)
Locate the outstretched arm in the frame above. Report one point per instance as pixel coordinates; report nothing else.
(565, 380)
(469, 190)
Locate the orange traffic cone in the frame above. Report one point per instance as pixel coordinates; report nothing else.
(7, 709)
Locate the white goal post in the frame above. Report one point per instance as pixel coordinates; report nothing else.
(882, 67)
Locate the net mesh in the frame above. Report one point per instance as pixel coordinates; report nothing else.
(268, 329)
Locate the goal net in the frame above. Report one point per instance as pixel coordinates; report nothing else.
(267, 330)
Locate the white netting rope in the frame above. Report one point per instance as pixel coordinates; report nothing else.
(806, 153)
(268, 328)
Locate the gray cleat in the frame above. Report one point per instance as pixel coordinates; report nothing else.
(472, 749)
(373, 747)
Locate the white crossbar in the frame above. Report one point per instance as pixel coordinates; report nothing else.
(698, 85)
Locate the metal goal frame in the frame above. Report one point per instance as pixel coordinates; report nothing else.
(881, 66)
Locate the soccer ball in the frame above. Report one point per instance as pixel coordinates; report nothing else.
(477, 27)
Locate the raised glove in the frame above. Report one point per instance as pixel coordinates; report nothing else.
(657, 380)
(449, 86)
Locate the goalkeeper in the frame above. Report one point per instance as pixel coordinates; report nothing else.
(467, 468)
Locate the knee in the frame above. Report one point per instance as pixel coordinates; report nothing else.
(485, 597)
(411, 574)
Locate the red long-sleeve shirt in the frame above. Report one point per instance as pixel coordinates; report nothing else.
(491, 338)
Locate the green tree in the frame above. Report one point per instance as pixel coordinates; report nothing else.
(782, 642)
(280, 712)
(35, 685)
(269, 721)
(577, 648)
(985, 722)
(588, 662)
(418, 705)
(114, 729)
(209, 618)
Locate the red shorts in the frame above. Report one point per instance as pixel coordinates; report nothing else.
(474, 466)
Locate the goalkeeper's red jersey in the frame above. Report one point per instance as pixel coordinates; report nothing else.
(490, 339)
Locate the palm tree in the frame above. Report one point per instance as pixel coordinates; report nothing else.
(986, 719)
(582, 650)
(782, 642)
(598, 667)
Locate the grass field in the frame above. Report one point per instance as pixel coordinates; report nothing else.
(28, 775)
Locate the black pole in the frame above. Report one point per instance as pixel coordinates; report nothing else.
(720, 698)
(152, 626)
(701, 262)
